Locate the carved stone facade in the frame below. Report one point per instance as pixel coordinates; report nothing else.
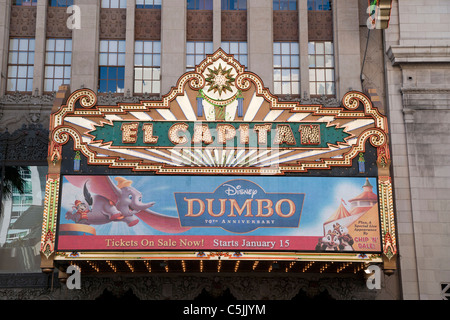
(57, 23)
(113, 23)
(190, 287)
(234, 26)
(19, 15)
(285, 26)
(28, 145)
(320, 26)
(17, 110)
(147, 24)
(199, 25)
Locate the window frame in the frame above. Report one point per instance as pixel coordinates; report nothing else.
(141, 59)
(15, 63)
(207, 48)
(114, 66)
(288, 66)
(148, 4)
(66, 65)
(240, 53)
(199, 4)
(328, 71)
(291, 5)
(229, 5)
(110, 4)
(319, 5)
(25, 3)
(60, 3)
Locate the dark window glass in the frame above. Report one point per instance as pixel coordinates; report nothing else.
(319, 5)
(148, 4)
(234, 4)
(199, 4)
(285, 5)
(60, 3)
(24, 3)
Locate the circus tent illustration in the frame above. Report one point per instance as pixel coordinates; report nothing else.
(360, 220)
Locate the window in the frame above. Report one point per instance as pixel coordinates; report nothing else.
(238, 49)
(58, 58)
(114, 3)
(199, 4)
(285, 5)
(286, 68)
(24, 2)
(147, 67)
(60, 3)
(20, 64)
(196, 51)
(234, 4)
(319, 5)
(148, 4)
(321, 68)
(112, 66)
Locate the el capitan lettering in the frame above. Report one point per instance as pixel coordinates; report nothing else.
(167, 134)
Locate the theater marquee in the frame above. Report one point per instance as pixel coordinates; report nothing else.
(219, 164)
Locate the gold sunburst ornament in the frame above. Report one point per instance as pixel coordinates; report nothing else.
(220, 80)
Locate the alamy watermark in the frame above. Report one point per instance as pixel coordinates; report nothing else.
(374, 279)
(74, 279)
(74, 20)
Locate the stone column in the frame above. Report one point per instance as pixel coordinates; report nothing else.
(39, 50)
(5, 11)
(173, 42)
(260, 39)
(217, 24)
(129, 53)
(85, 46)
(347, 46)
(303, 47)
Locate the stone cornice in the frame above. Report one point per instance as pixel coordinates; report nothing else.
(422, 98)
(402, 54)
(27, 99)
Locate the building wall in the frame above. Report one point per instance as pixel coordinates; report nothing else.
(418, 99)
(408, 65)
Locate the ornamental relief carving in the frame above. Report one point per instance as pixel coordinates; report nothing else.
(57, 23)
(23, 21)
(320, 25)
(148, 24)
(199, 25)
(189, 287)
(285, 26)
(113, 23)
(234, 26)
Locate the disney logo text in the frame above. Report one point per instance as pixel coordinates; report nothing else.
(237, 190)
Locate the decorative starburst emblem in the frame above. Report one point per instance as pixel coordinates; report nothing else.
(220, 80)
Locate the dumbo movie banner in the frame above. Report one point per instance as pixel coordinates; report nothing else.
(236, 213)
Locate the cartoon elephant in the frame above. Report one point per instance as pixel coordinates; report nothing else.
(121, 202)
(128, 204)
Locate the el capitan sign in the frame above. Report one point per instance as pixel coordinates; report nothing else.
(219, 122)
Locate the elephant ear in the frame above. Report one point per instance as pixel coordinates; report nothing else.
(101, 185)
(161, 222)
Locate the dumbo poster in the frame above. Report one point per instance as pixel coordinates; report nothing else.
(100, 212)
